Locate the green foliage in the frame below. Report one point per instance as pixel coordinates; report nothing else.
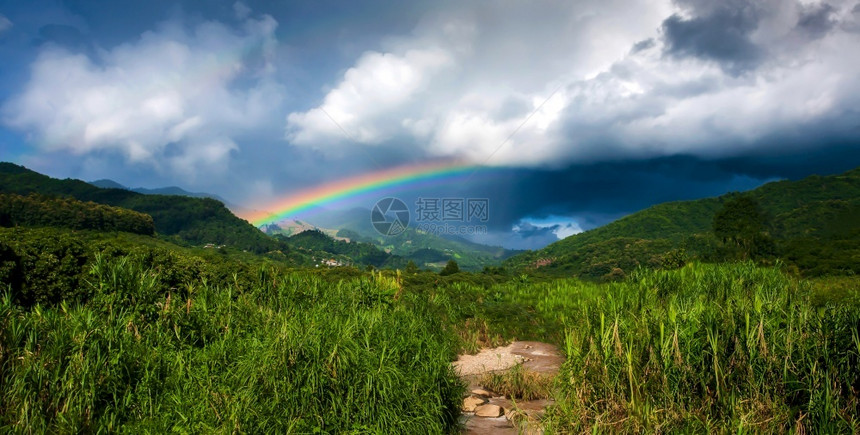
(427, 250)
(48, 265)
(739, 220)
(812, 223)
(741, 225)
(288, 352)
(196, 221)
(450, 268)
(699, 349)
(411, 268)
(45, 269)
(131, 334)
(675, 259)
(519, 384)
(37, 210)
(709, 348)
(354, 252)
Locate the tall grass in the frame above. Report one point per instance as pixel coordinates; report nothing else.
(291, 353)
(704, 348)
(518, 383)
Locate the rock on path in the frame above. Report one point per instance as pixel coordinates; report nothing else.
(487, 360)
(487, 413)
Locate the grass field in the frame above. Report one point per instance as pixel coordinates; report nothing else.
(293, 353)
(703, 348)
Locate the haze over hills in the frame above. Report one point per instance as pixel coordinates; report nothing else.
(425, 249)
(819, 214)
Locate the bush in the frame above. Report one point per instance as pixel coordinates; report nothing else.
(450, 268)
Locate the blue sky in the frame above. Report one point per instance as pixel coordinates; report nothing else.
(591, 109)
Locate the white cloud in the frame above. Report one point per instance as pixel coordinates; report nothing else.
(370, 92)
(564, 78)
(174, 99)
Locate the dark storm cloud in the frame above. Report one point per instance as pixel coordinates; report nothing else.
(643, 45)
(524, 235)
(595, 194)
(851, 23)
(816, 20)
(721, 35)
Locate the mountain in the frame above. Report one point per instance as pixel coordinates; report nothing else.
(319, 244)
(170, 190)
(291, 227)
(427, 250)
(187, 220)
(814, 222)
(195, 221)
(104, 183)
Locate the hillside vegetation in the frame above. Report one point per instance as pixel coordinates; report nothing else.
(352, 252)
(428, 250)
(36, 210)
(814, 222)
(195, 221)
(159, 341)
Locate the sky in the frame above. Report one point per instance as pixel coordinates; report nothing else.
(586, 110)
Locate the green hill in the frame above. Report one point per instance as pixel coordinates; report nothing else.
(181, 219)
(353, 252)
(814, 222)
(427, 250)
(36, 210)
(195, 221)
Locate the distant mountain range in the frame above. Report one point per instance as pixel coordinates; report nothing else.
(815, 223)
(426, 250)
(170, 190)
(200, 219)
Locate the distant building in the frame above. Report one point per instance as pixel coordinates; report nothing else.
(331, 262)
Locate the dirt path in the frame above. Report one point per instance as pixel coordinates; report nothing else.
(534, 356)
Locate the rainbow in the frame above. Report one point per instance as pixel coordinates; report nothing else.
(393, 179)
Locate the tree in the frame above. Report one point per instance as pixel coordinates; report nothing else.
(741, 224)
(450, 268)
(411, 267)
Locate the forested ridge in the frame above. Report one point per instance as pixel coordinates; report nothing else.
(188, 220)
(813, 223)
